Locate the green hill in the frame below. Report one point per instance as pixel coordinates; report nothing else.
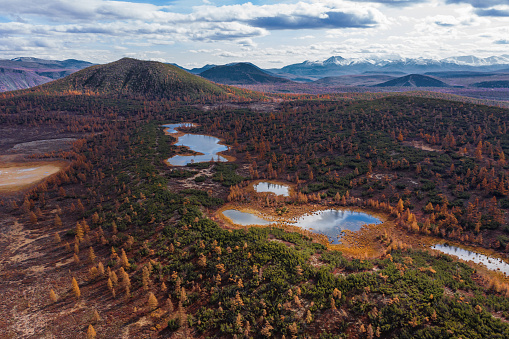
(413, 80)
(133, 77)
(241, 74)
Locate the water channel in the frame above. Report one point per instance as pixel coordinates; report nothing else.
(208, 147)
(490, 262)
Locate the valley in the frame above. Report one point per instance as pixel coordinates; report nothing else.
(120, 241)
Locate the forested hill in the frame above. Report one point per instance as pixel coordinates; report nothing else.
(241, 74)
(131, 77)
(413, 80)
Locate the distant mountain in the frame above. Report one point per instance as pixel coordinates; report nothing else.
(12, 79)
(241, 74)
(201, 69)
(133, 77)
(337, 65)
(413, 80)
(26, 72)
(492, 84)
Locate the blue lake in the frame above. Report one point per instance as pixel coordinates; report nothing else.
(171, 128)
(208, 146)
(245, 218)
(491, 263)
(332, 223)
(267, 187)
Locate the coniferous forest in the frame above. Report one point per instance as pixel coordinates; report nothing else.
(120, 244)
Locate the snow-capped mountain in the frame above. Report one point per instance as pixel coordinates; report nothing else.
(337, 65)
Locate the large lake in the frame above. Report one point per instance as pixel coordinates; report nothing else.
(332, 223)
(245, 218)
(490, 262)
(207, 145)
(267, 187)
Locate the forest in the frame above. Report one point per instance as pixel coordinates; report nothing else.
(129, 251)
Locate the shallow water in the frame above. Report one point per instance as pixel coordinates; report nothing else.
(171, 128)
(205, 144)
(245, 218)
(490, 262)
(332, 223)
(263, 187)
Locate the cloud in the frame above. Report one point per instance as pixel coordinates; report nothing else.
(395, 3)
(326, 20)
(493, 12)
(479, 3)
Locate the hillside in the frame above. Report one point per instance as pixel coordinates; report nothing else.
(21, 73)
(12, 79)
(133, 77)
(413, 80)
(492, 84)
(241, 74)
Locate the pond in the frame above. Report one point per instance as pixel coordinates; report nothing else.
(490, 262)
(332, 223)
(172, 128)
(245, 218)
(264, 187)
(206, 146)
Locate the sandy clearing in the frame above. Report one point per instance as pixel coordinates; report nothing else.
(17, 176)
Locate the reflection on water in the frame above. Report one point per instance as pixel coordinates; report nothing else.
(171, 128)
(490, 262)
(332, 223)
(205, 144)
(245, 218)
(263, 187)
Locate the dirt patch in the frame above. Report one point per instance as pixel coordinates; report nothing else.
(43, 146)
(423, 146)
(18, 176)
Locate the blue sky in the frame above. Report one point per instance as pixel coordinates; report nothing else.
(192, 33)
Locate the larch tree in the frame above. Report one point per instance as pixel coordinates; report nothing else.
(124, 260)
(152, 301)
(53, 296)
(76, 288)
(91, 334)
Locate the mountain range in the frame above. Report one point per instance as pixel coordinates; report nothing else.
(337, 65)
(25, 72)
(463, 71)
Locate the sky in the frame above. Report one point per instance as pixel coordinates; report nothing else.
(268, 33)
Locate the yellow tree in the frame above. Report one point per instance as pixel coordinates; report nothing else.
(76, 288)
(123, 259)
(91, 332)
(91, 255)
(152, 301)
(53, 296)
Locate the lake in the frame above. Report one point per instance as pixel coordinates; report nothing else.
(490, 262)
(245, 218)
(207, 146)
(267, 187)
(332, 223)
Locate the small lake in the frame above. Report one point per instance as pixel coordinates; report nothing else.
(490, 262)
(332, 223)
(208, 146)
(245, 218)
(172, 128)
(267, 187)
